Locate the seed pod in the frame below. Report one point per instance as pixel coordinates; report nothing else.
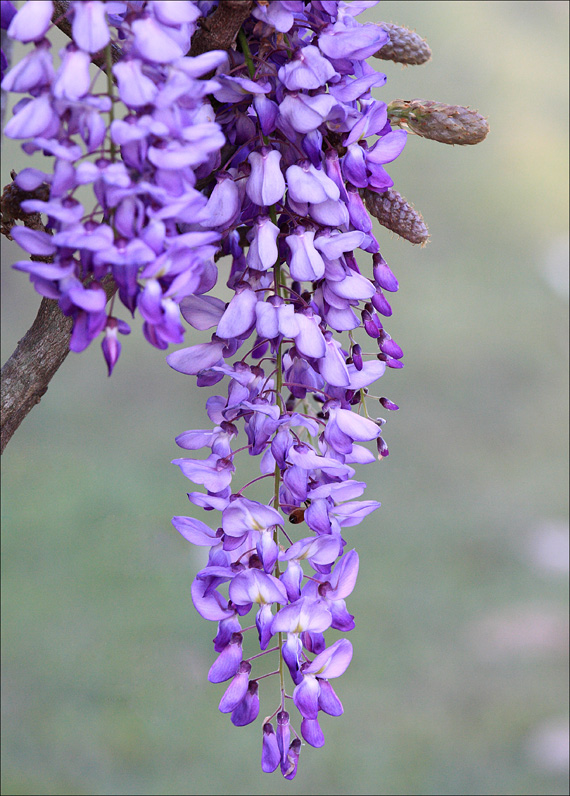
(397, 215)
(405, 46)
(448, 124)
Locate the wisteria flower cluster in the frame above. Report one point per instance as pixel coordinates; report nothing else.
(297, 286)
(263, 154)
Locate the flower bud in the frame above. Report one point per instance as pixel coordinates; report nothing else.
(404, 47)
(448, 124)
(397, 215)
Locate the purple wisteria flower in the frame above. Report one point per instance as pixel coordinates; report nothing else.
(256, 158)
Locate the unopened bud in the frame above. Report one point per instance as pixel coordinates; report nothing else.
(405, 46)
(449, 124)
(397, 215)
(382, 448)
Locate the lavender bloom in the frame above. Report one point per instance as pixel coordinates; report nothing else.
(197, 159)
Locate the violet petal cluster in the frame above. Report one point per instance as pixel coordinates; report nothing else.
(296, 108)
(258, 155)
(137, 146)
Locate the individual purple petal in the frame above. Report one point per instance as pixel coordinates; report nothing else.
(302, 615)
(267, 550)
(283, 733)
(291, 579)
(381, 304)
(34, 241)
(235, 89)
(266, 184)
(135, 88)
(244, 515)
(215, 472)
(110, 344)
(354, 425)
(387, 148)
(305, 264)
(153, 43)
(353, 513)
(383, 275)
(209, 603)
(319, 550)
(236, 690)
(349, 90)
(305, 113)
(31, 21)
(344, 577)
(248, 709)
(223, 204)
(254, 586)
(388, 404)
(318, 520)
(312, 733)
(91, 299)
(307, 70)
(34, 118)
(371, 371)
(275, 14)
(200, 65)
(202, 312)
(328, 700)
(309, 340)
(89, 28)
(34, 71)
(289, 765)
(333, 662)
(341, 619)
(333, 246)
(29, 179)
(46, 271)
(239, 315)
(263, 621)
(196, 358)
(196, 531)
(359, 216)
(175, 12)
(267, 320)
(330, 213)
(354, 166)
(228, 661)
(270, 754)
(267, 112)
(333, 367)
(357, 43)
(262, 253)
(304, 457)
(306, 696)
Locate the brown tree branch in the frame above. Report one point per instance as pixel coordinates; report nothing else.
(219, 30)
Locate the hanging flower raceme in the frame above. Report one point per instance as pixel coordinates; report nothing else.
(270, 153)
(294, 94)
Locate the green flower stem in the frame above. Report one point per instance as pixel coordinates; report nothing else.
(279, 376)
(109, 70)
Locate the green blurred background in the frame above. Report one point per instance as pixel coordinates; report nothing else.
(458, 684)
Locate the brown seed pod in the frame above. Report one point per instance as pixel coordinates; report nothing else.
(448, 124)
(397, 215)
(405, 46)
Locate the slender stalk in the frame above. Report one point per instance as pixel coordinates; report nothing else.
(109, 70)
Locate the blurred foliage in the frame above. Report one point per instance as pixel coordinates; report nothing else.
(459, 678)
